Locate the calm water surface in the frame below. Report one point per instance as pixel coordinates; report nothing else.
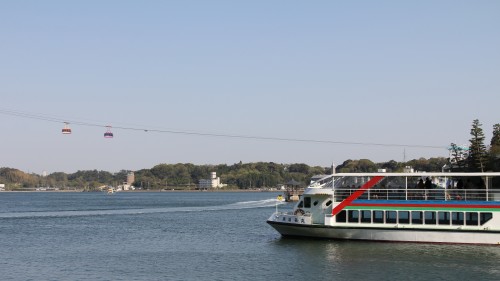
(201, 236)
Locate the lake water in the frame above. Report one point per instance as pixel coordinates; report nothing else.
(201, 236)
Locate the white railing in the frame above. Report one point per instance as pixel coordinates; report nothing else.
(422, 194)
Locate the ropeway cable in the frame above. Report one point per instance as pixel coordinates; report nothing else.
(48, 118)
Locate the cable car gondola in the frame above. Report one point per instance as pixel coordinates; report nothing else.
(108, 133)
(66, 130)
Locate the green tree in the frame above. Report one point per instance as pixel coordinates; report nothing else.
(181, 174)
(162, 171)
(298, 168)
(119, 177)
(457, 159)
(495, 140)
(477, 151)
(495, 148)
(391, 166)
(357, 166)
(420, 164)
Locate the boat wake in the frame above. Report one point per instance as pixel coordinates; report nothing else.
(234, 206)
(255, 204)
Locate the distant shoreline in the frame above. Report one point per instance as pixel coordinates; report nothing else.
(135, 191)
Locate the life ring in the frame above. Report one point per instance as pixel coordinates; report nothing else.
(299, 211)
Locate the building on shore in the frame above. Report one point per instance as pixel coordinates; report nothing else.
(128, 185)
(213, 182)
(130, 178)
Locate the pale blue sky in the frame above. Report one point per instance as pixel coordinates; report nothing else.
(394, 72)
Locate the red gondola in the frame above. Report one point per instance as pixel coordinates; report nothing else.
(108, 133)
(66, 130)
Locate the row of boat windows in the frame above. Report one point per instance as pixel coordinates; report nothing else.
(414, 217)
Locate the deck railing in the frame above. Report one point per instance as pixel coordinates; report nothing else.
(422, 194)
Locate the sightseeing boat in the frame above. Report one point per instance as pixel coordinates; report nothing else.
(400, 207)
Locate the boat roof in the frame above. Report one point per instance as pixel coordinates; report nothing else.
(419, 174)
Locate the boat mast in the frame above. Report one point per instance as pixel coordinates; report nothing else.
(333, 173)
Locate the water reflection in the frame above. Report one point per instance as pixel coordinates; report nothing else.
(352, 260)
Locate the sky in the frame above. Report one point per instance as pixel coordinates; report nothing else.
(410, 75)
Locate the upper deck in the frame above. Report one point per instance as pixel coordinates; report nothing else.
(412, 186)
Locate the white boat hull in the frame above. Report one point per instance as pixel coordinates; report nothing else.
(388, 234)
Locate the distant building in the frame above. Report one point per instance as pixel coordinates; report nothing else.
(130, 178)
(213, 182)
(408, 169)
(128, 184)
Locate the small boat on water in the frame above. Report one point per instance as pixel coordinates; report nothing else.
(400, 207)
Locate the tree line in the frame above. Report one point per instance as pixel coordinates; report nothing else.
(257, 175)
(187, 176)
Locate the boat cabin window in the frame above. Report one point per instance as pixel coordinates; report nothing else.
(301, 204)
(366, 216)
(328, 203)
(341, 216)
(307, 202)
(404, 217)
(353, 216)
(315, 202)
(485, 217)
(390, 216)
(471, 218)
(430, 217)
(444, 218)
(457, 218)
(378, 216)
(416, 217)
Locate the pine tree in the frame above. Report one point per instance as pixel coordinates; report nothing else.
(495, 148)
(477, 150)
(495, 140)
(457, 160)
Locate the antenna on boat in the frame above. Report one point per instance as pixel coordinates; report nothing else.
(333, 168)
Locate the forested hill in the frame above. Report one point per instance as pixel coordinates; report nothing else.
(187, 176)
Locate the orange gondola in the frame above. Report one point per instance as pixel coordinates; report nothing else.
(66, 130)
